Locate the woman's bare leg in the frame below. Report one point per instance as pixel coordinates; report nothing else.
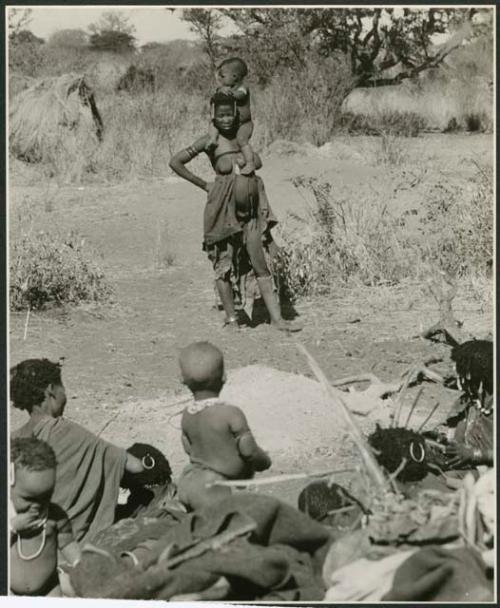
(225, 290)
(255, 251)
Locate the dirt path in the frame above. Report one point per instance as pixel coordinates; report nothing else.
(125, 354)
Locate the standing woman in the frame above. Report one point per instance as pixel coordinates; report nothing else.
(237, 220)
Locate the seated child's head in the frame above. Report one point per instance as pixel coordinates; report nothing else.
(33, 475)
(34, 382)
(232, 71)
(138, 490)
(202, 367)
(156, 472)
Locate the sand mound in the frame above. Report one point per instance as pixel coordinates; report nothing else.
(287, 413)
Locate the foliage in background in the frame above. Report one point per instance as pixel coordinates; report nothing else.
(46, 268)
(346, 241)
(372, 40)
(299, 94)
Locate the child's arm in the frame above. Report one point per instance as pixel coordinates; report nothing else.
(240, 93)
(247, 446)
(178, 162)
(72, 553)
(186, 444)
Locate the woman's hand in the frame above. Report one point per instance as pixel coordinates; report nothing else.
(459, 455)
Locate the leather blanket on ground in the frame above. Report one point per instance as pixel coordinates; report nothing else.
(436, 574)
(271, 552)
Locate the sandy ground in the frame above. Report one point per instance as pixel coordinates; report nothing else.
(120, 365)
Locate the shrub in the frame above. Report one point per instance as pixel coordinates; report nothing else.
(340, 240)
(360, 241)
(313, 111)
(48, 269)
(459, 229)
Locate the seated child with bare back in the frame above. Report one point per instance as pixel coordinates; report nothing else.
(38, 527)
(215, 435)
(231, 74)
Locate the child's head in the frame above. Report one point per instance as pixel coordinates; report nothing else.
(232, 71)
(157, 471)
(34, 382)
(202, 367)
(225, 112)
(33, 471)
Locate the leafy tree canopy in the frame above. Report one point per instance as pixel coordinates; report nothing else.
(69, 39)
(380, 45)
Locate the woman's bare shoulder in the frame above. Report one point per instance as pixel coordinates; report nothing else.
(200, 144)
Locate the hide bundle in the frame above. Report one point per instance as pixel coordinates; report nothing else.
(51, 113)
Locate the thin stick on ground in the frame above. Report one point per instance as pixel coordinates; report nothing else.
(26, 323)
(431, 414)
(413, 406)
(401, 394)
(264, 481)
(335, 396)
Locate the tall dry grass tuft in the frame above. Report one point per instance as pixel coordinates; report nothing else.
(48, 268)
(362, 241)
(53, 120)
(342, 240)
(309, 111)
(163, 252)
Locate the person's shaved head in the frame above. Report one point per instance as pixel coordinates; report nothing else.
(202, 366)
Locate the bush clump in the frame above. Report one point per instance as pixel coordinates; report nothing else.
(46, 269)
(361, 241)
(342, 241)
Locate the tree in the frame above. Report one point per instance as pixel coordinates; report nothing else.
(113, 32)
(206, 23)
(18, 19)
(113, 41)
(381, 45)
(113, 21)
(69, 39)
(25, 52)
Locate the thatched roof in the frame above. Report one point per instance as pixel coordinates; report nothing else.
(51, 112)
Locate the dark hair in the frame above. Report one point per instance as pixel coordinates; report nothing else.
(159, 472)
(29, 380)
(222, 99)
(240, 66)
(32, 453)
(474, 363)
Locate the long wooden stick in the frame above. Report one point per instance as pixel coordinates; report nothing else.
(26, 323)
(264, 481)
(413, 406)
(431, 414)
(401, 394)
(335, 396)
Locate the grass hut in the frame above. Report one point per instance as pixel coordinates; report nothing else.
(53, 120)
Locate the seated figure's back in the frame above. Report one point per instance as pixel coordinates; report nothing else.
(212, 434)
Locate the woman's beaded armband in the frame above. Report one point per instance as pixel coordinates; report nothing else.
(191, 152)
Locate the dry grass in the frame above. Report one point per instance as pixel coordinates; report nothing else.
(49, 268)
(366, 240)
(164, 254)
(52, 121)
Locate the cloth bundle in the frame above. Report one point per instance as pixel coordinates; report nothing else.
(264, 548)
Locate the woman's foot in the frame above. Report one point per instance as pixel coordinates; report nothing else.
(287, 326)
(232, 324)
